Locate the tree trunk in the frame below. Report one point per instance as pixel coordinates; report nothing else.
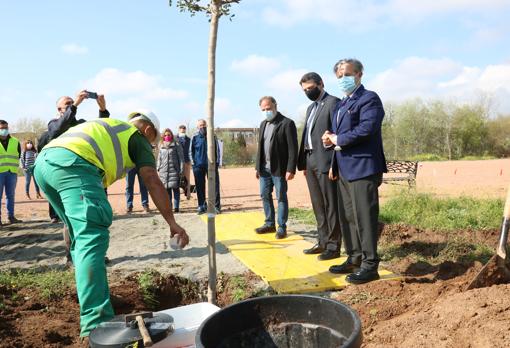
(211, 153)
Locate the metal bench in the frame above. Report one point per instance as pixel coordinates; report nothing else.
(400, 171)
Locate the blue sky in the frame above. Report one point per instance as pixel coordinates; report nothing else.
(147, 54)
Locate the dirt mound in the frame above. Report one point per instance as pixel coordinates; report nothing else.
(430, 307)
(30, 320)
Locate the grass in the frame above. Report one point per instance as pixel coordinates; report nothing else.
(425, 211)
(147, 281)
(239, 291)
(305, 216)
(50, 284)
(453, 249)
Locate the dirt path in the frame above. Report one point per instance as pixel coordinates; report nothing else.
(240, 189)
(137, 242)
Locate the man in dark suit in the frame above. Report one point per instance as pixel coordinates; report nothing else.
(275, 164)
(315, 160)
(359, 163)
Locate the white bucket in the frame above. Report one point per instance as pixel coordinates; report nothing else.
(187, 320)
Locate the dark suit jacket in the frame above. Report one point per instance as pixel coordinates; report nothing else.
(320, 124)
(283, 146)
(359, 135)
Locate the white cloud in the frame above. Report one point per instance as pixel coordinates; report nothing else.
(137, 83)
(233, 123)
(223, 107)
(255, 64)
(74, 49)
(443, 79)
(364, 14)
(287, 81)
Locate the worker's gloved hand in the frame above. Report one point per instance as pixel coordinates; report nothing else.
(183, 236)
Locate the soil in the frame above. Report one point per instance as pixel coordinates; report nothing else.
(429, 306)
(33, 321)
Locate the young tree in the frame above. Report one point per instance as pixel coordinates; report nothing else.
(214, 10)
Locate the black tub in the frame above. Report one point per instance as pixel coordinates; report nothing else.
(282, 321)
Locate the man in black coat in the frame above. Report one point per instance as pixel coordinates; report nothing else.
(315, 160)
(275, 164)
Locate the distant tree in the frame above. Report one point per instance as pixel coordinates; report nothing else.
(498, 131)
(470, 131)
(29, 125)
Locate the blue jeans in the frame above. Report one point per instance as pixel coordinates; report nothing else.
(28, 178)
(200, 173)
(130, 184)
(267, 181)
(177, 196)
(8, 182)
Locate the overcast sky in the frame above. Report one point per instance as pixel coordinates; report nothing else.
(147, 54)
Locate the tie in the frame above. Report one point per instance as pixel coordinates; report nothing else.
(309, 126)
(342, 104)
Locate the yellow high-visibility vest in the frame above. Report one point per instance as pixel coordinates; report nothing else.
(102, 142)
(9, 159)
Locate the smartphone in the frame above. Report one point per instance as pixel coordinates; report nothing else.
(91, 95)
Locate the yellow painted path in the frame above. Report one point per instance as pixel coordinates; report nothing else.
(280, 263)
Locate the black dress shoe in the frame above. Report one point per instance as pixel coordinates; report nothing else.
(362, 276)
(280, 234)
(328, 255)
(13, 220)
(316, 249)
(265, 229)
(344, 268)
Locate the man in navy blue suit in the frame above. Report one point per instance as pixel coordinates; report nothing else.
(358, 163)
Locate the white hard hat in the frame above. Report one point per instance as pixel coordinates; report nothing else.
(146, 115)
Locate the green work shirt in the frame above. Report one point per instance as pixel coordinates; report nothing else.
(140, 151)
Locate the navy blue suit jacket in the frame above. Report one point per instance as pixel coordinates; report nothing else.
(357, 123)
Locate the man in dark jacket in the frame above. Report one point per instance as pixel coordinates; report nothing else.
(275, 164)
(198, 155)
(315, 160)
(359, 164)
(185, 142)
(66, 118)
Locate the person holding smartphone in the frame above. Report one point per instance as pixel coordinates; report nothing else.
(67, 108)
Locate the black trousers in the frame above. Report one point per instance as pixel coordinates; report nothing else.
(359, 214)
(324, 197)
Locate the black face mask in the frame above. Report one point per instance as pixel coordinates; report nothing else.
(313, 93)
(203, 131)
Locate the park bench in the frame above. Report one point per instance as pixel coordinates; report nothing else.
(401, 171)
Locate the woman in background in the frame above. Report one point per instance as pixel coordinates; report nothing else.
(171, 165)
(28, 156)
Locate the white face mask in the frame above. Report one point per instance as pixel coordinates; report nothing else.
(29, 146)
(182, 135)
(268, 114)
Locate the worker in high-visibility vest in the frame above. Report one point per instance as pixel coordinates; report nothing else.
(73, 171)
(10, 151)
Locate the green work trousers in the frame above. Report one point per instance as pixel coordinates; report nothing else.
(74, 188)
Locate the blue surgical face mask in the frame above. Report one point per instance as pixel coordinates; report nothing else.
(347, 84)
(268, 114)
(4, 132)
